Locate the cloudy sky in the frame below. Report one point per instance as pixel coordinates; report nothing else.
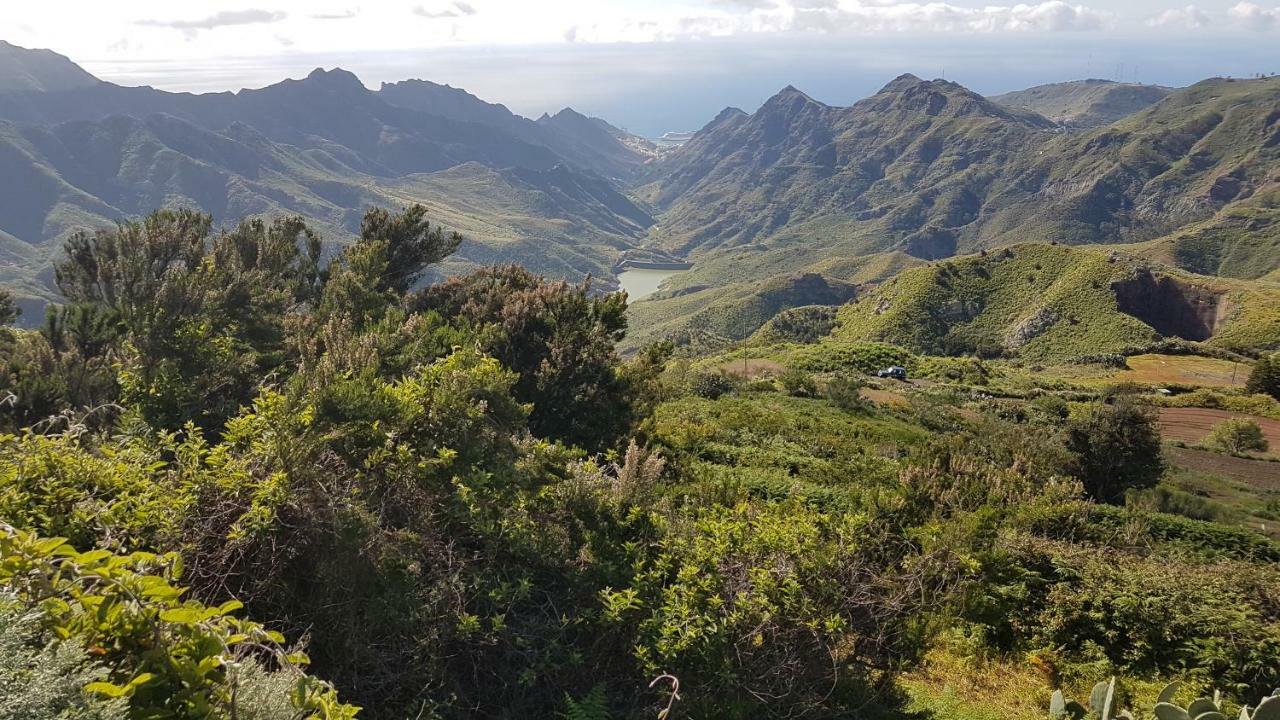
(652, 65)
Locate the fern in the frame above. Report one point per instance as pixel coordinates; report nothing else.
(593, 706)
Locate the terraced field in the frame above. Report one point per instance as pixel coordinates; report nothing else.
(1182, 370)
(1191, 425)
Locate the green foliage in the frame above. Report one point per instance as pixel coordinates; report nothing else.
(711, 384)
(753, 602)
(844, 391)
(169, 658)
(1264, 379)
(9, 310)
(43, 679)
(412, 245)
(593, 706)
(558, 338)
(1117, 448)
(856, 357)
(1147, 616)
(798, 383)
(1236, 436)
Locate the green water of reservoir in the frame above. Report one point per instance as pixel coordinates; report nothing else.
(640, 284)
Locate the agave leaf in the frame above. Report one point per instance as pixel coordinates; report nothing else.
(1268, 709)
(1201, 706)
(1098, 699)
(1166, 695)
(1244, 713)
(1211, 715)
(1169, 711)
(1057, 706)
(1075, 710)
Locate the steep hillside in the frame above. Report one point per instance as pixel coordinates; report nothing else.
(1180, 162)
(23, 71)
(695, 306)
(933, 170)
(1085, 103)
(587, 142)
(56, 180)
(887, 171)
(85, 154)
(1044, 302)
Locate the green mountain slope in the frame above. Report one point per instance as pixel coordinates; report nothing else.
(77, 155)
(27, 71)
(732, 312)
(55, 181)
(1182, 161)
(931, 169)
(1044, 302)
(1085, 103)
(694, 307)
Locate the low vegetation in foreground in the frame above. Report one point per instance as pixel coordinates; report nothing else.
(239, 480)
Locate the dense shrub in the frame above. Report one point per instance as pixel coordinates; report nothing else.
(1217, 623)
(1117, 448)
(798, 383)
(711, 384)
(1237, 435)
(1264, 379)
(44, 679)
(164, 656)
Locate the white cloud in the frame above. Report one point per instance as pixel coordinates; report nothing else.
(746, 4)
(1255, 17)
(1048, 16)
(224, 18)
(445, 10)
(1187, 18)
(336, 15)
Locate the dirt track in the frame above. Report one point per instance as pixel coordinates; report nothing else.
(1191, 425)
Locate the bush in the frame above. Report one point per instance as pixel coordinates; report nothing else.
(711, 384)
(165, 657)
(1264, 379)
(42, 680)
(845, 392)
(1117, 447)
(1237, 436)
(798, 383)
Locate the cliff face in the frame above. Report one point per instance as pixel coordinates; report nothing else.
(1175, 308)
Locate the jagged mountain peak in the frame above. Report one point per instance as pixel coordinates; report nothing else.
(790, 96)
(902, 82)
(336, 78)
(728, 113)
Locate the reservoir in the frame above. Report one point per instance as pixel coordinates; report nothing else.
(642, 283)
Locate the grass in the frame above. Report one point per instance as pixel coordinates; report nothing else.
(953, 686)
(1043, 303)
(1162, 370)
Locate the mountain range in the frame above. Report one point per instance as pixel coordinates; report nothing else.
(76, 152)
(797, 203)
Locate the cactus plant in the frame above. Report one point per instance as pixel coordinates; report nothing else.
(1211, 709)
(1101, 705)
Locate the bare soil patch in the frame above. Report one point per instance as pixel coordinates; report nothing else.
(751, 368)
(1262, 474)
(1192, 425)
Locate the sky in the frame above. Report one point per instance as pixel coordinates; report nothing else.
(652, 65)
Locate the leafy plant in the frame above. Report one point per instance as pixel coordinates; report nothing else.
(1102, 705)
(168, 658)
(1236, 436)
